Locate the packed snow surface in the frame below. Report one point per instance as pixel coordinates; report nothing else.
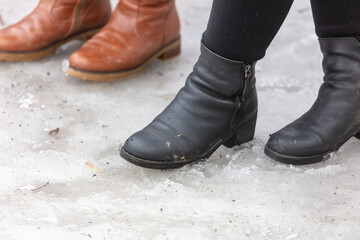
(61, 176)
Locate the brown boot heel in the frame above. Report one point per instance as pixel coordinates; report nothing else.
(171, 54)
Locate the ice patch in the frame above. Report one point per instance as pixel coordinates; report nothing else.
(27, 100)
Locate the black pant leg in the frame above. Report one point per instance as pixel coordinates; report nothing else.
(242, 30)
(337, 18)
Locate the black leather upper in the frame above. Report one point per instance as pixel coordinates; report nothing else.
(201, 115)
(335, 115)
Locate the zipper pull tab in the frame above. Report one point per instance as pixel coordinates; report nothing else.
(247, 71)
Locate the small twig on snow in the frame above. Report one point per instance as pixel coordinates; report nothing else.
(41, 186)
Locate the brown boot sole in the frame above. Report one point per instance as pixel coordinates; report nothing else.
(168, 52)
(40, 54)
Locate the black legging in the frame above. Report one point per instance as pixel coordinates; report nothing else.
(243, 29)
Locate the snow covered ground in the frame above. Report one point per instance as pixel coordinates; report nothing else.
(237, 194)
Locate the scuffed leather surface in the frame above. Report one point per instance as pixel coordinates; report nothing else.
(51, 22)
(335, 115)
(136, 30)
(201, 115)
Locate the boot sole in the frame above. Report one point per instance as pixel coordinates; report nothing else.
(46, 52)
(167, 52)
(242, 136)
(293, 160)
(152, 164)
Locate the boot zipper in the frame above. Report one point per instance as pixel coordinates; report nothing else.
(238, 107)
(238, 103)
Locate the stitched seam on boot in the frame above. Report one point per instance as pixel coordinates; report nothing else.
(137, 18)
(74, 19)
(166, 18)
(71, 20)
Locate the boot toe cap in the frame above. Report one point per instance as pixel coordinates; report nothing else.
(292, 142)
(152, 145)
(86, 60)
(14, 40)
(99, 56)
(90, 58)
(9, 43)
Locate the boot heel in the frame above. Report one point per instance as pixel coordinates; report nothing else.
(86, 35)
(172, 53)
(357, 135)
(85, 38)
(244, 134)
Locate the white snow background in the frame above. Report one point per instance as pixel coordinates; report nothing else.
(237, 194)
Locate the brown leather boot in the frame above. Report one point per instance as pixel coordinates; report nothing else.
(51, 24)
(138, 32)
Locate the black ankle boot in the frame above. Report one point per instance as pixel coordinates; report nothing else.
(217, 106)
(335, 116)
